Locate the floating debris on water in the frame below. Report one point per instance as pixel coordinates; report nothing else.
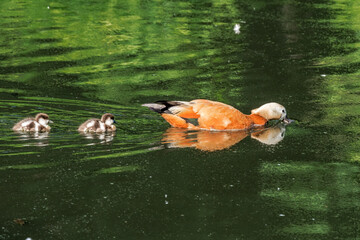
(237, 28)
(19, 221)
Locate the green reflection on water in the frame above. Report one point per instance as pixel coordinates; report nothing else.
(308, 229)
(119, 169)
(76, 60)
(20, 153)
(24, 167)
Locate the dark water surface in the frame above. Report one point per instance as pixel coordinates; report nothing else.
(77, 59)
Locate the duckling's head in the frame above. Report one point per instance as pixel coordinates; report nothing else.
(43, 119)
(108, 119)
(272, 111)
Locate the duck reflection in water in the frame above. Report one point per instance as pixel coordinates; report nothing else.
(40, 137)
(105, 137)
(214, 141)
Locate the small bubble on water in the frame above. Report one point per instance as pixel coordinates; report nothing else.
(282, 215)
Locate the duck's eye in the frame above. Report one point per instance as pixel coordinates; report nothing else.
(283, 110)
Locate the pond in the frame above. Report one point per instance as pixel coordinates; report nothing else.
(78, 59)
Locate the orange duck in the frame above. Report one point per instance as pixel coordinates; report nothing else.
(218, 116)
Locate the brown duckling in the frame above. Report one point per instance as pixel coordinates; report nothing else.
(105, 124)
(37, 124)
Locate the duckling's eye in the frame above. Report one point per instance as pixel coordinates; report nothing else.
(283, 110)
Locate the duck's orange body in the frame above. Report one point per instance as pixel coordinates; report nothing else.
(210, 115)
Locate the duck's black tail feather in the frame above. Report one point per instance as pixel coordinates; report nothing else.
(163, 106)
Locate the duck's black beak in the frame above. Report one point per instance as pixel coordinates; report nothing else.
(115, 121)
(287, 120)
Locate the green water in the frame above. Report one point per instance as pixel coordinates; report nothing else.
(77, 59)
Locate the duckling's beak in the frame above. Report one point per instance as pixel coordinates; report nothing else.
(115, 121)
(287, 120)
(51, 121)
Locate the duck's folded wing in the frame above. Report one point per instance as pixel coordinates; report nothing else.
(179, 108)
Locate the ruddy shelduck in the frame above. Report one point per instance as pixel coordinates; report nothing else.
(105, 124)
(212, 115)
(38, 124)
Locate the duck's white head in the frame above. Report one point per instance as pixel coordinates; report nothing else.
(272, 111)
(108, 119)
(43, 119)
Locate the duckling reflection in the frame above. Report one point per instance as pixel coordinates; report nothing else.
(214, 141)
(105, 137)
(41, 137)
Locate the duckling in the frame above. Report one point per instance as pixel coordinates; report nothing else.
(105, 124)
(37, 124)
